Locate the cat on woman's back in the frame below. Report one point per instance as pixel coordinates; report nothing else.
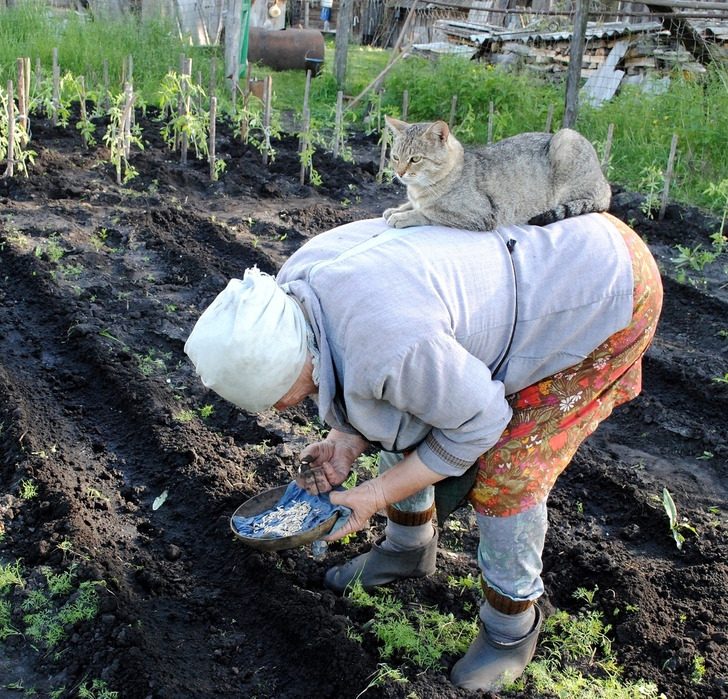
(529, 178)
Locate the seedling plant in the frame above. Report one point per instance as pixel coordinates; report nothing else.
(42, 100)
(249, 126)
(120, 136)
(180, 100)
(418, 635)
(572, 644)
(45, 607)
(652, 183)
(22, 155)
(677, 527)
(84, 125)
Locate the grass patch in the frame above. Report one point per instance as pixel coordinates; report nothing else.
(417, 635)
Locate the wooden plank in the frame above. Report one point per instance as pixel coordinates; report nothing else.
(605, 82)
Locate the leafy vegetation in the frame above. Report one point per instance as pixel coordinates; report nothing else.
(576, 661)
(418, 635)
(45, 609)
(677, 526)
(693, 108)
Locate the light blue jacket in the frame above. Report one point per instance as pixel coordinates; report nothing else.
(424, 331)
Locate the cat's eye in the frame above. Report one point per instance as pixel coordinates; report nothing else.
(415, 158)
(395, 158)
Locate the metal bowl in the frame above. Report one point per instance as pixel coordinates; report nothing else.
(267, 500)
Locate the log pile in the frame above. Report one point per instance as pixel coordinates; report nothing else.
(651, 48)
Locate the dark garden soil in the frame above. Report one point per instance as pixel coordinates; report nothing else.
(101, 411)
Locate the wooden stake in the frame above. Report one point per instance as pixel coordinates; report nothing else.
(106, 99)
(491, 118)
(383, 155)
(576, 57)
(56, 88)
(22, 118)
(125, 127)
(186, 72)
(10, 168)
(549, 118)
(668, 177)
(304, 110)
(26, 87)
(268, 95)
(304, 143)
(338, 124)
(405, 104)
(38, 75)
(82, 100)
(127, 118)
(453, 111)
(213, 77)
(211, 145)
(607, 149)
(200, 95)
(245, 123)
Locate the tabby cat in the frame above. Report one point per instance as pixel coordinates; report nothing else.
(530, 178)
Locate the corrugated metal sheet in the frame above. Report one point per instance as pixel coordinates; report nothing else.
(602, 31)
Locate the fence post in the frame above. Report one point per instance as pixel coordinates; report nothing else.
(608, 150)
(10, 168)
(343, 29)
(668, 177)
(549, 118)
(576, 56)
(453, 111)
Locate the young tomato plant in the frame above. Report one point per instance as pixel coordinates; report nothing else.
(21, 154)
(180, 99)
(120, 136)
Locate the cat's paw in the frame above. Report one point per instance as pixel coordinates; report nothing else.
(388, 212)
(403, 220)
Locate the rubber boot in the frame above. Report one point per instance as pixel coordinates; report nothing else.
(491, 664)
(380, 566)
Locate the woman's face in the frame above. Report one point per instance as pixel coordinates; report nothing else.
(302, 387)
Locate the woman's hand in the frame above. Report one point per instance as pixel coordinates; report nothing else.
(364, 501)
(406, 478)
(329, 462)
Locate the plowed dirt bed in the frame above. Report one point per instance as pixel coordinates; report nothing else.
(101, 412)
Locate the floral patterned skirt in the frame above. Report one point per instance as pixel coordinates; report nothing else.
(553, 417)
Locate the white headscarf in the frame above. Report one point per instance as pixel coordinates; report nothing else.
(249, 345)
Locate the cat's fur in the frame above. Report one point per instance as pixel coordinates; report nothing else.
(530, 178)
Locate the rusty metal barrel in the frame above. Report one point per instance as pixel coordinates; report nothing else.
(287, 49)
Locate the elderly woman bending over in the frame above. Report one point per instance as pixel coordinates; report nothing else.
(476, 362)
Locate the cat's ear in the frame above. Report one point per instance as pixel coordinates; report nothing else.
(440, 130)
(395, 125)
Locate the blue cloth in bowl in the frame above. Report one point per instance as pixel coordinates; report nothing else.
(321, 510)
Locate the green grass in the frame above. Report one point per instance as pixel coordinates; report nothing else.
(34, 30)
(695, 108)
